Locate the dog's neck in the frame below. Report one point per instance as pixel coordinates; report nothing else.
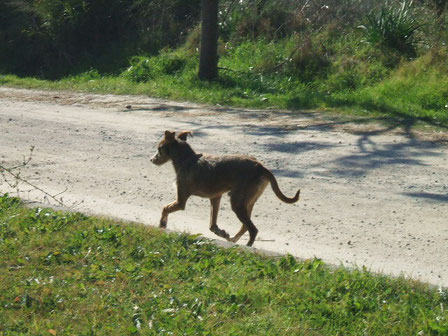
(182, 156)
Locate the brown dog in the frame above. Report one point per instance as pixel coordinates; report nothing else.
(211, 176)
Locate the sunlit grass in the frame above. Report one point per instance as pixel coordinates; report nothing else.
(66, 273)
(259, 74)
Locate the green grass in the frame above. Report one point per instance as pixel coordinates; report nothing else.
(322, 72)
(351, 58)
(69, 274)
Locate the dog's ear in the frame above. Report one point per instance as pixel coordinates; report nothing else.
(169, 136)
(184, 134)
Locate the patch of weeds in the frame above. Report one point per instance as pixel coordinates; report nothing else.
(309, 61)
(143, 68)
(393, 27)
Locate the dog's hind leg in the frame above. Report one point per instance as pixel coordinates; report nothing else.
(240, 233)
(241, 210)
(243, 229)
(214, 202)
(243, 216)
(244, 211)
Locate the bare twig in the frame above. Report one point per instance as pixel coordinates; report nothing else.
(15, 173)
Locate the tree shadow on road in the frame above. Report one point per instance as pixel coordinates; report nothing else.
(429, 196)
(370, 152)
(379, 156)
(297, 147)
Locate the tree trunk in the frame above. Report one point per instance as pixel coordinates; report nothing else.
(208, 62)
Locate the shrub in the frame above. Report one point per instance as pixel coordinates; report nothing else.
(139, 69)
(170, 64)
(143, 69)
(393, 27)
(41, 37)
(269, 24)
(310, 60)
(273, 19)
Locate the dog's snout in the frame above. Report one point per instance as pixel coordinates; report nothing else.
(157, 159)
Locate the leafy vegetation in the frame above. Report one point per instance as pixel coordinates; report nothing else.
(349, 80)
(52, 38)
(393, 28)
(349, 55)
(66, 273)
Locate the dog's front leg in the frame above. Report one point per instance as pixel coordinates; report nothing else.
(214, 202)
(178, 204)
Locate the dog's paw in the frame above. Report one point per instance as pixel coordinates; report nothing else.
(224, 234)
(221, 233)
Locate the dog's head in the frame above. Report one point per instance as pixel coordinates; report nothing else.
(166, 147)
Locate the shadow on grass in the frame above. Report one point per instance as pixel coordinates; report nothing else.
(381, 111)
(392, 116)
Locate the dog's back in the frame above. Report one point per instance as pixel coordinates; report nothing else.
(212, 175)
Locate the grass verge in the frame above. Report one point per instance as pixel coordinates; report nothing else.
(349, 77)
(66, 273)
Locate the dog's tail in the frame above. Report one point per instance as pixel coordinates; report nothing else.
(277, 190)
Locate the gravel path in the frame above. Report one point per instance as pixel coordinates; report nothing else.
(369, 197)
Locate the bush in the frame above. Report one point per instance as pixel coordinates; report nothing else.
(56, 37)
(143, 68)
(270, 24)
(273, 19)
(393, 28)
(310, 60)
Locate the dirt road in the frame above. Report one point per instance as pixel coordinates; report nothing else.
(369, 197)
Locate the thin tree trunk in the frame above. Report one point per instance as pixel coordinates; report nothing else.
(208, 62)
